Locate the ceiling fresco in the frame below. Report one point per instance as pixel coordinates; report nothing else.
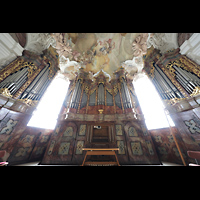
(100, 51)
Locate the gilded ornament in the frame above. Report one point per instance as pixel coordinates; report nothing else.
(100, 111)
(101, 82)
(26, 84)
(170, 75)
(31, 68)
(5, 92)
(190, 66)
(86, 89)
(30, 102)
(109, 90)
(51, 73)
(8, 69)
(115, 90)
(92, 91)
(16, 67)
(152, 71)
(174, 100)
(120, 78)
(196, 91)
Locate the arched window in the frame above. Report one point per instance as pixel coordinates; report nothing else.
(151, 104)
(46, 113)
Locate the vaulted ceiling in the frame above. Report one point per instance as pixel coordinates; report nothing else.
(99, 51)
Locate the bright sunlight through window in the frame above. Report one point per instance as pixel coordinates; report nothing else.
(151, 104)
(46, 113)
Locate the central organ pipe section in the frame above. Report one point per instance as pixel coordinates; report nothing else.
(102, 94)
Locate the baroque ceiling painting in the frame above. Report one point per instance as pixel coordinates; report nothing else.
(95, 52)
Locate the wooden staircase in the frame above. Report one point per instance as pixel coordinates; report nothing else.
(100, 152)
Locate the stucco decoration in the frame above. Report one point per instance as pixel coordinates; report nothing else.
(38, 42)
(140, 45)
(133, 66)
(68, 68)
(163, 41)
(99, 51)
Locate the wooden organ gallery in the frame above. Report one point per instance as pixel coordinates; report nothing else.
(99, 112)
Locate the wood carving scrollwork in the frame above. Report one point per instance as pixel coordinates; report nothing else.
(51, 74)
(11, 68)
(27, 83)
(5, 92)
(15, 66)
(196, 91)
(190, 66)
(184, 63)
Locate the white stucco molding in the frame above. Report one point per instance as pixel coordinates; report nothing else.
(191, 48)
(9, 49)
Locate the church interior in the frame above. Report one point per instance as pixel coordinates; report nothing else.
(72, 99)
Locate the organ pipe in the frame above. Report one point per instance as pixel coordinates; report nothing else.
(117, 100)
(120, 95)
(165, 78)
(15, 80)
(123, 94)
(76, 95)
(36, 89)
(162, 83)
(101, 92)
(164, 86)
(101, 96)
(159, 89)
(37, 80)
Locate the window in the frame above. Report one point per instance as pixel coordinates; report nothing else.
(46, 113)
(151, 104)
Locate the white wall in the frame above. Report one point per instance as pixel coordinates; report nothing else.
(191, 48)
(9, 49)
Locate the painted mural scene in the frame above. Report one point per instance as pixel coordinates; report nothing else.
(99, 99)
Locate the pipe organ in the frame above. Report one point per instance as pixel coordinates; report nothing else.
(37, 87)
(101, 99)
(89, 96)
(28, 76)
(76, 95)
(126, 99)
(164, 86)
(92, 99)
(14, 81)
(187, 79)
(174, 76)
(109, 99)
